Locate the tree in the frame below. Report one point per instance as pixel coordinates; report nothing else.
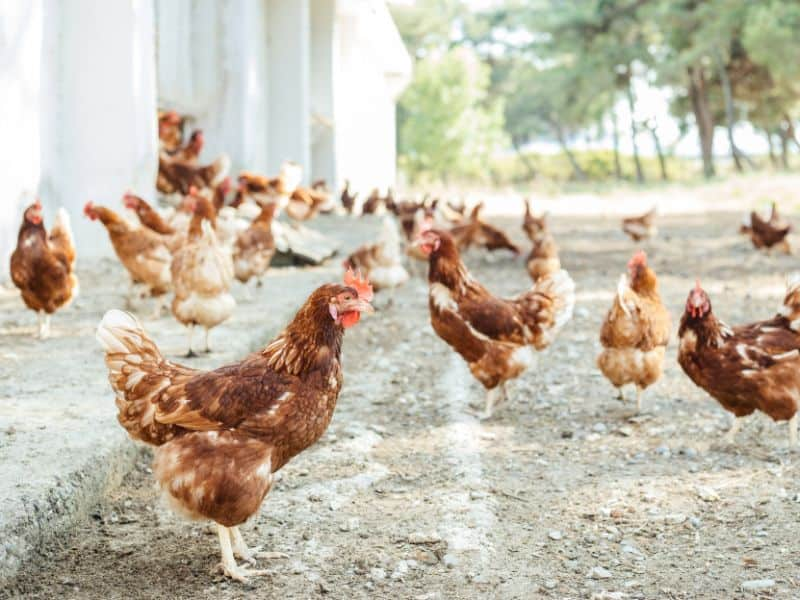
(448, 125)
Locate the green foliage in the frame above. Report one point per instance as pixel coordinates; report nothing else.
(449, 127)
(563, 68)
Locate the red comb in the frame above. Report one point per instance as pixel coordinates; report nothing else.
(640, 258)
(193, 191)
(361, 285)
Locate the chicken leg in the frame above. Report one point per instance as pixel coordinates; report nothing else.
(638, 399)
(229, 566)
(207, 348)
(44, 325)
(731, 435)
(793, 432)
(190, 353)
(494, 398)
(250, 555)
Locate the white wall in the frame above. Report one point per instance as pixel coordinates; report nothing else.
(289, 26)
(324, 57)
(20, 51)
(98, 119)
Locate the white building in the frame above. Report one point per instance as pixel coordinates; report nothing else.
(313, 81)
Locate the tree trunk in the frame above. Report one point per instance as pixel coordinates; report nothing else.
(523, 159)
(698, 92)
(577, 172)
(730, 116)
(662, 162)
(784, 148)
(771, 148)
(615, 137)
(632, 106)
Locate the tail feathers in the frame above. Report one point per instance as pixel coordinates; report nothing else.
(138, 375)
(222, 167)
(791, 301)
(560, 287)
(61, 235)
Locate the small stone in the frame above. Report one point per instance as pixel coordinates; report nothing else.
(599, 428)
(401, 570)
(419, 537)
(377, 574)
(600, 573)
(706, 493)
(550, 584)
(689, 452)
(450, 561)
(676, 519)
(663, 451)
(426, 557)
(566, 435)
(758, 584)
(695, 522)
(555, 535)
(625, 431)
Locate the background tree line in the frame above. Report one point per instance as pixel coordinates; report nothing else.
(560, 70)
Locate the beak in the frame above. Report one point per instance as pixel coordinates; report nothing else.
(360, 305)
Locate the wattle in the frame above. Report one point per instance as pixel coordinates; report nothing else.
(350, 318)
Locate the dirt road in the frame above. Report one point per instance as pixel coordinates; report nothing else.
(564, 494)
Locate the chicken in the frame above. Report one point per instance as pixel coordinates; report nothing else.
(381, 262)
(475, 232)
(642, 227)
(372, 203)
(202, 273)
(176, 176)
(142, 252)
(543, 259)
(43, 265)
(635, 332)
(170, 131)
(533, 226)
(148, 216)
(190, 153)
(304, 203)
(220, 436)
(769, 234)
(278, 189)
(747, 368)
(347, 198)
(255, 246)
(495, 337)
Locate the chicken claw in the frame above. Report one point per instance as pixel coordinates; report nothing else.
(229, 566)
(250, 555)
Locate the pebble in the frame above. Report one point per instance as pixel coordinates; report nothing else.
(426, 557)
(663, 451)
(706, 493)
(450, 561)
(550, 584)
(419, 537)
(695, 522)
(599, 428)
(689, 452)
(401, 570)
(555, 535)
(600, 573)
(377, 574)
(758, 584)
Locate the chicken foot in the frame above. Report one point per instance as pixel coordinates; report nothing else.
(44, 325)
(229, 566)
(190, 353)
(250, 555)
(731, 435)
(494, 398)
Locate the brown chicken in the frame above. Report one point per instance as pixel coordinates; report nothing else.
(372, 203)
(255, 246)
(475, 232)
(543, 259)
(148, 216)
(747, 368)
(176, 176)
(276, 189)
(347, 198)
(221, 435)
(170, 131)
(202, 274)
(495, 337)
(142, 252)
(642, 227)
(635, 332)
(43, 265)
(769, 234)
(305, 203)
(190, 153)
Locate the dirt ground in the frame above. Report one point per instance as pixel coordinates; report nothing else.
(563, 494)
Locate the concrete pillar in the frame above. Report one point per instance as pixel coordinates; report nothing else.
(324, 47)
(20, 53)
(289, 108)
(99, 132)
